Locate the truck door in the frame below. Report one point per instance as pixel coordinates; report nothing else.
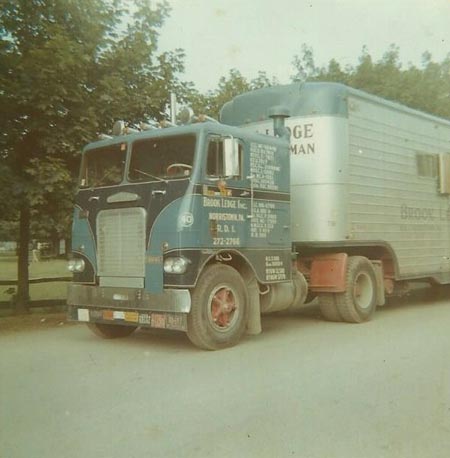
(227, 192)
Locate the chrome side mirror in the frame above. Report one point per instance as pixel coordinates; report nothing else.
(231, 166)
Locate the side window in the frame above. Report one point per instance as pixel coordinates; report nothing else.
(217, 158)
(214, 165)
(444, 173)
(427, 165)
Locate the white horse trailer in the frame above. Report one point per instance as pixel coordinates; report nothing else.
(370, 186)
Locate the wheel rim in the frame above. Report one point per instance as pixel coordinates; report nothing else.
(223, 308)
(363, 290)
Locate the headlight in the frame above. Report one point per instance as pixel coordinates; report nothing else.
(175, 265)
(76, 265)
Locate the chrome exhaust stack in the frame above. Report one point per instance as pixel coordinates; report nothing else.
(279, 113)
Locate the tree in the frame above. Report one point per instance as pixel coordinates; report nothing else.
(262, 80)
(425, 88)
(228, 87)
(305, 68)
(68, 69)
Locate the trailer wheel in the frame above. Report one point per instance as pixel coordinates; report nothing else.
(111, 331)
(328, 307)
(219, 309)
(359, 301)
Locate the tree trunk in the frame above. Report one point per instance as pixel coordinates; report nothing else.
(67, 246)
(55, 244)
(23, 288)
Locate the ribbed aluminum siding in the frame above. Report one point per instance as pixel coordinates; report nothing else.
(384, 182)
(121, 242)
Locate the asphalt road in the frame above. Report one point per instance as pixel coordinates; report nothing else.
(305, 388)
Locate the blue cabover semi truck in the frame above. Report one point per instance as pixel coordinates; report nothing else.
(311, 188)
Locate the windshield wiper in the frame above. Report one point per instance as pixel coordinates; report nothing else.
(150, 176)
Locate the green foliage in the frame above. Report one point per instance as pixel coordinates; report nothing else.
(425, 87)
(68, 70)
(228, 87)
(304, 65)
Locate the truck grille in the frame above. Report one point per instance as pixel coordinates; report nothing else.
(121, 242)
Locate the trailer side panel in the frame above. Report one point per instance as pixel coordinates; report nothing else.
(394, 184)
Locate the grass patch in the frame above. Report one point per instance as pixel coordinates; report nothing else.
(45, 268)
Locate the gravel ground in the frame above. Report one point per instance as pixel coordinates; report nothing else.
(305, 387)
(32, 322)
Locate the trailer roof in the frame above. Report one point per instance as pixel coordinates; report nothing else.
(304, 99)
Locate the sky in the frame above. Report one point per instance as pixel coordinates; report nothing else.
(254, 35)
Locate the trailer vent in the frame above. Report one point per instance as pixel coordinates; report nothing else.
(427, 165)
(121, 247)
(444, 173)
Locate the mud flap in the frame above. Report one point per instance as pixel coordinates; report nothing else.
(254, 306)
(378, 268)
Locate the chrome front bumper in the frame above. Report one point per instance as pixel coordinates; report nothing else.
(171, 300)
(129, 306)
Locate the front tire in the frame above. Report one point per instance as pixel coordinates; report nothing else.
(111, 331)
(219, 309)
(359, 301)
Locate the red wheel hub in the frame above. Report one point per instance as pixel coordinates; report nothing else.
(223, 307)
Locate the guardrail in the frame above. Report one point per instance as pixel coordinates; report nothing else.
(37, 303)
(36, 280)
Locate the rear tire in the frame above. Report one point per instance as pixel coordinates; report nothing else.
(219, 309)
(111, 331)
(328, 307)
(358, 303)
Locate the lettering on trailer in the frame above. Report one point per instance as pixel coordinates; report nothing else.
(302, 138)
(408, 212)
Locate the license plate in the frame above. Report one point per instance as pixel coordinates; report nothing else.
(175, 322)
(158, 320)
(144, 318)
(108, 315)
(132, 316)
(83, 315)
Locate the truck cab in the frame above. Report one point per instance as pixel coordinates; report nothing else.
(171, 226)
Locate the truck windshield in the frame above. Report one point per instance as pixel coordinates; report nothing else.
(155, 159)
(103, 166)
